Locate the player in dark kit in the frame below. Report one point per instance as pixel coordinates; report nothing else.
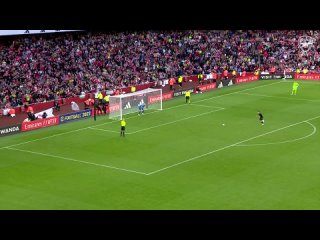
(261, 119)
(96, 109)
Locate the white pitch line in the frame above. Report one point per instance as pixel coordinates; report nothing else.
(239, 91)
(315, 82)
(200, 101)
(194, 104)
(287, 141)
(231, 145)
(183, 119)
(105, 130)
(163, 124)
(55, 135)
(75, 160)
(270, 96)
(38, 139)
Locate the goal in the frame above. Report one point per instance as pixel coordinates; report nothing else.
(121, 105)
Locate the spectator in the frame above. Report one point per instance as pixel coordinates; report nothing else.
(44, 115)
(56, 105)
(31, 116)
(87, 103)
(41, 68)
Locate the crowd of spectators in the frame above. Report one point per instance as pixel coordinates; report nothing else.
(39, 68)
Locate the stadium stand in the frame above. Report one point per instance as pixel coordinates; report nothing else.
(43, 68)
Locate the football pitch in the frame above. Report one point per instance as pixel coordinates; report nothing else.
(210, 154)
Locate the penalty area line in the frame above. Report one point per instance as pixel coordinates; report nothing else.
(287, 141)
(229, 146)
(75, 160)
(113, 121)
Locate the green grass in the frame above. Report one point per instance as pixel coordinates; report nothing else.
(178, 158)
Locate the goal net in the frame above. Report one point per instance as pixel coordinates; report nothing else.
(121, 105)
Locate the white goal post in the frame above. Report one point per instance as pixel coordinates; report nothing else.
(123, 104)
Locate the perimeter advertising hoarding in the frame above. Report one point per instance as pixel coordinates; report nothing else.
(8, 130)
(75, 116)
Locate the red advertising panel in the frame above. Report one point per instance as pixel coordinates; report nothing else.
(156, 98)
(27, 126)
(310, 76)
(247, 79)
(207, 87)
(114, 108)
